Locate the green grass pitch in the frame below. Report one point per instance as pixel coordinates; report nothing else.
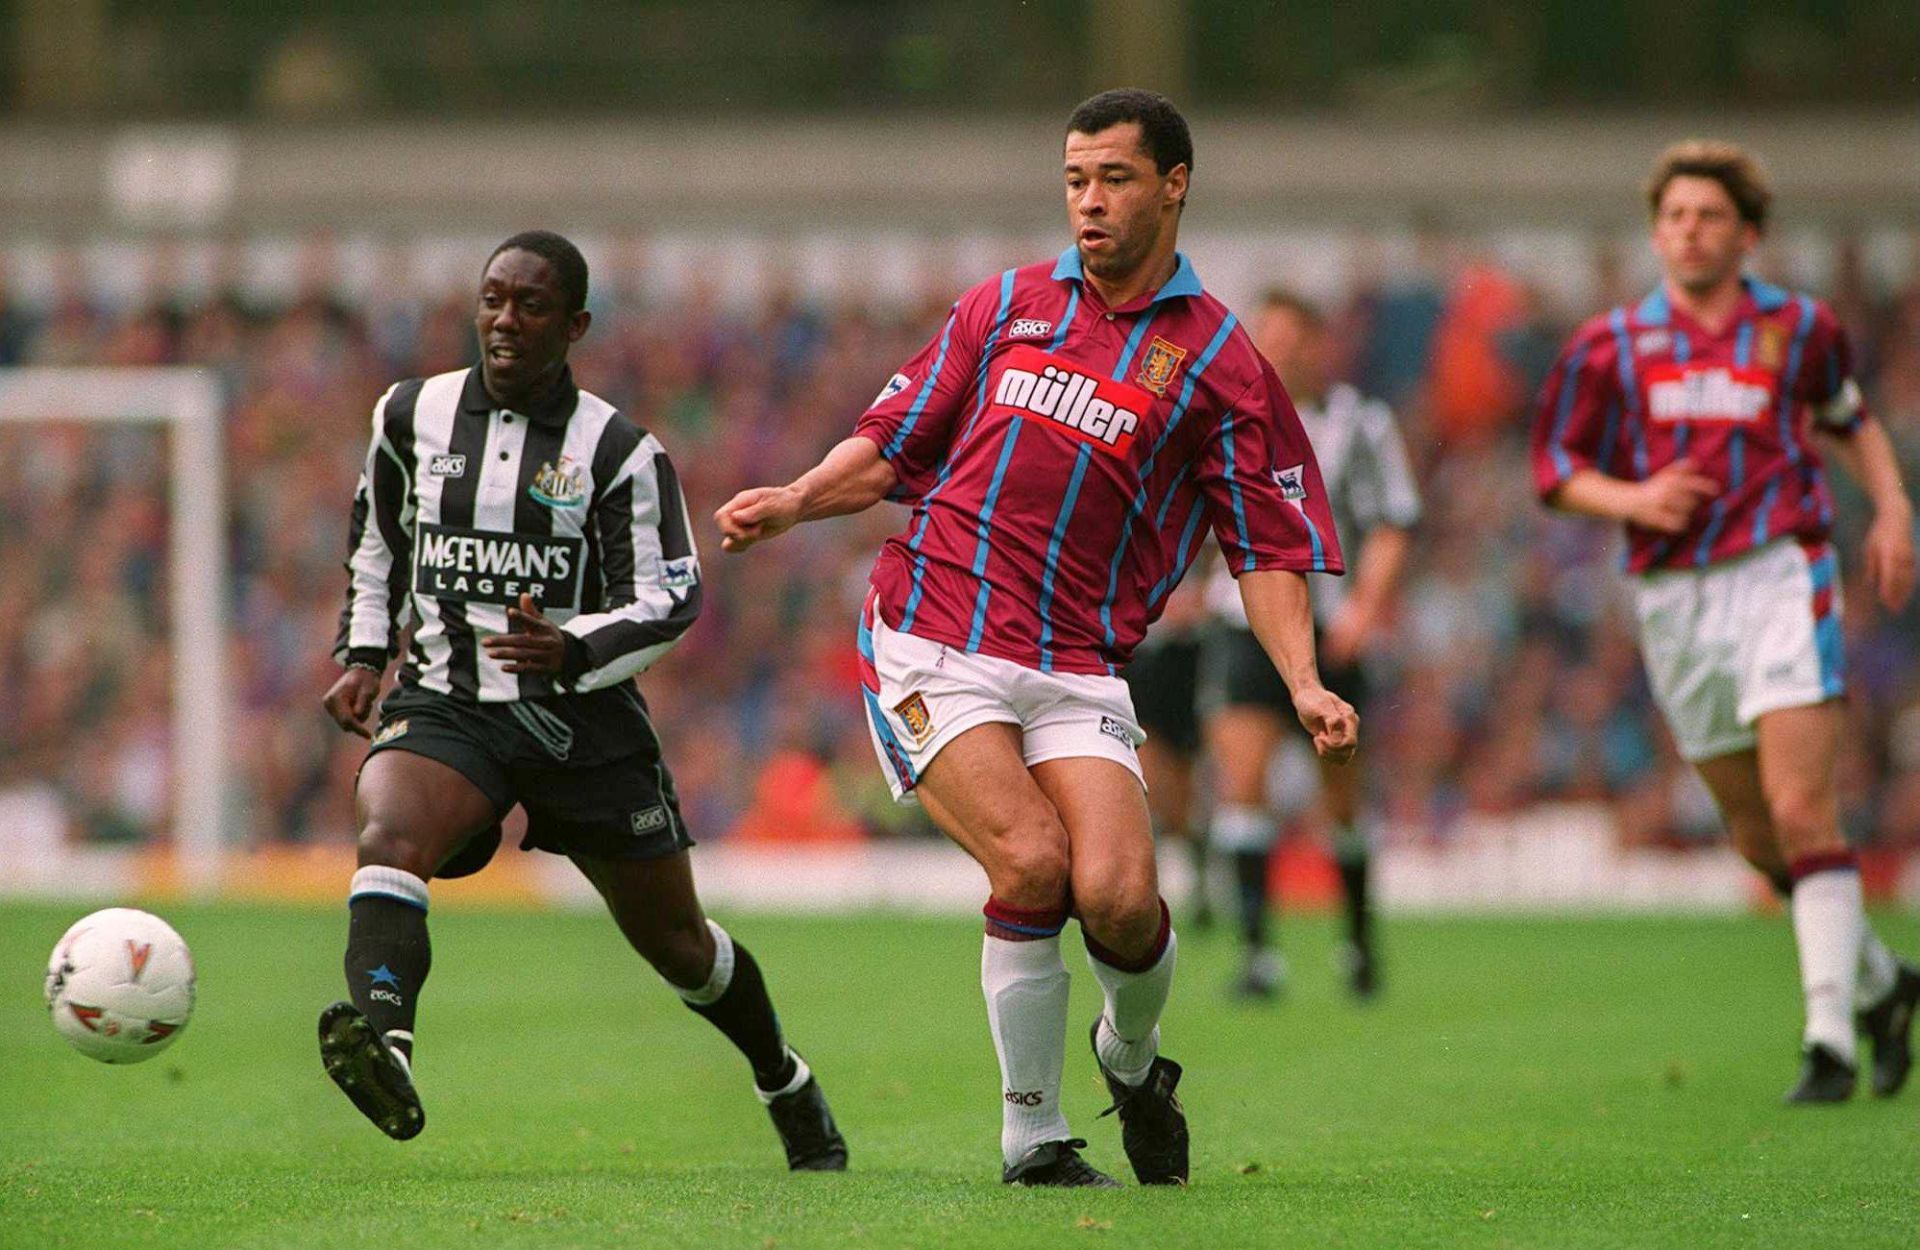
(1538, 1082)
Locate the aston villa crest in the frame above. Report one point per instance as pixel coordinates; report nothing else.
(913, 713)
(1159, 365)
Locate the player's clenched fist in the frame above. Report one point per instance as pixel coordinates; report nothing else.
(1668, 499)
(757, 514)
(1331, 720)
(350, 700)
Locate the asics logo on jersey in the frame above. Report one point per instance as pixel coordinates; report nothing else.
(476, 566)
(454, 465)
(1029, 328)
(1104, 413)
(1708, 393)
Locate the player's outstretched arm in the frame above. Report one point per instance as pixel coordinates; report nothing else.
(1867, 454)
(1281, 616)
(852, 478)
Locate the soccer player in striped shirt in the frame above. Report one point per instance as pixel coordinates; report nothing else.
(1699, 418)
(1375, 507)
(1065, 440)
(536, 543)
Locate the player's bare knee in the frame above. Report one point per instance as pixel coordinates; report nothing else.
(1120, 906)
(1804, 821)
(1032, 870)
(382, 845)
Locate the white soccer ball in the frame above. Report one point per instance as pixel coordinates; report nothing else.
(120, 985)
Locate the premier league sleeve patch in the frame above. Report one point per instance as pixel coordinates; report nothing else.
(895, 384)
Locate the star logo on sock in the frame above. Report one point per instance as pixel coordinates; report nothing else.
(384, 975)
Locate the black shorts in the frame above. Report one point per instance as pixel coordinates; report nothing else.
(1162, 680)
(586, 767)
(1235, 672)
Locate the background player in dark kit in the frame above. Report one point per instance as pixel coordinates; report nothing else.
(543, 712)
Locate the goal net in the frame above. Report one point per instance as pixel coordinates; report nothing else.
(185, 406)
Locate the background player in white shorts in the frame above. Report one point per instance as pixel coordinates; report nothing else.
(1699, 417)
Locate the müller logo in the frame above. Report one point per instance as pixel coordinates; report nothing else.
(1718, 393)
(1102, 412)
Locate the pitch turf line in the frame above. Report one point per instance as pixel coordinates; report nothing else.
(1524, 1083)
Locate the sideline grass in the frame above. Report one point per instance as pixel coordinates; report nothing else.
(1552, 1082)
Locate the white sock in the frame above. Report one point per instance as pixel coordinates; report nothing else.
(1878, 970)
(1129, 1031)
(1026, 985)
(1828, 919)
(1238, 827)
(395, 883)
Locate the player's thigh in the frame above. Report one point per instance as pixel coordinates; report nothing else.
(415, 811)
(1734, 781)
(1109, 838)
(1798, 749)
(658, 909)
(980, 794)
(1241, 739)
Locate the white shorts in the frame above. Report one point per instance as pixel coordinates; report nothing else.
(1726, 644)
(921, 695)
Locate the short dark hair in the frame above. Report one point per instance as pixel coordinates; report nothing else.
(1285, 299)
(1729, 165)
(557, 250)
(1162, 129)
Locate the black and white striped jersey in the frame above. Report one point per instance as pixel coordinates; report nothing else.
(1363, 461)
(463, 506)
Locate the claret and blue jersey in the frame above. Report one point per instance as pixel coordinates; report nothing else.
(1639, 388)
(1064, 459)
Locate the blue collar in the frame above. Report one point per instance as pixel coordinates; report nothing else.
(1657, 310)
(1183, 282)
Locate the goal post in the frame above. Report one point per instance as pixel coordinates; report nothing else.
(187, 403)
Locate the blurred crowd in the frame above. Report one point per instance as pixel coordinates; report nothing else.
(1510, 677)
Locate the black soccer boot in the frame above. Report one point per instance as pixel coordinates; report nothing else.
(1824, 1077)
(807, 1131)
(1057, 1164)
(1263, 975)
(1153, 1125)
(370, 1072)
(1362, 969)
(1889, 1025)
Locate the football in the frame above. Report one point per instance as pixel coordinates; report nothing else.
(120, 985)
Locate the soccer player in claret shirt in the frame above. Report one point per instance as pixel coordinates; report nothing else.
(1699, 417)
(1063, 440)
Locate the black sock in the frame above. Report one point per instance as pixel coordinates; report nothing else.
(1197, 849)
(745, 1014)
(1355, 879)
(1250, 875)
(388, 956)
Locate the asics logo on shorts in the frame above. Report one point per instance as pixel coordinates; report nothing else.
(1115, 729)
(1097, 410)
(1715, 393)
